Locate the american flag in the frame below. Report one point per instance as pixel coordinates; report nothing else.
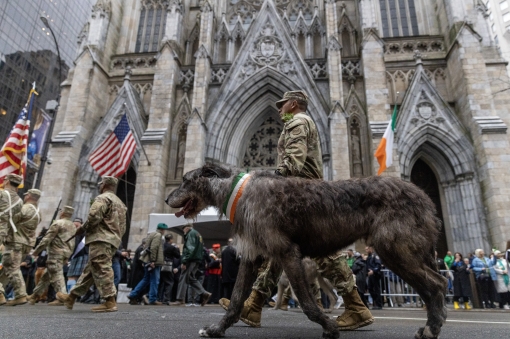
(13, 155)
(114, 154)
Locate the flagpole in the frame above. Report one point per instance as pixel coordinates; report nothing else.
(138, 140)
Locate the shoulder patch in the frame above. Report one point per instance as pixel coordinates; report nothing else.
(296, 131)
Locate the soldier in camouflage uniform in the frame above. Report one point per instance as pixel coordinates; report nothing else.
(17, 231)
(104, 229)
(299, 154)
(59, 250)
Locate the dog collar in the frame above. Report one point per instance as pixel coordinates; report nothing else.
(230, 205)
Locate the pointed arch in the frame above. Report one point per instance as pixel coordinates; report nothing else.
(428, 129)
(127, 102)
(222, 42)
(358, 136)
(347, 34)
(233, 115)
(178, 140)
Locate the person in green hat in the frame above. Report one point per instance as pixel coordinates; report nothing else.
(153, 259)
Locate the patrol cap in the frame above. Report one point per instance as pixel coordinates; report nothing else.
(14, 179)
(68, 210)
(162, 226)
(109, 181)
(34, 193)
(292, 95)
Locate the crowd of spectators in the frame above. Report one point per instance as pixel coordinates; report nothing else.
(156, 281)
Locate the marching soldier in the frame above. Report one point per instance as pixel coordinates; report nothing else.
(105, 227)
(20, 238)
(59, 250)
(299, 155)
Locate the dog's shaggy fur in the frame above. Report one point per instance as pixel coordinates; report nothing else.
(288, 218)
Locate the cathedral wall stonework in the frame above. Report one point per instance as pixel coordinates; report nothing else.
(208, 82)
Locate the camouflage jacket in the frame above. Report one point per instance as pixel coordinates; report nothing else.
(107, 220)
(15, 207)
(26, 222)
(55, 241)
(299, 149)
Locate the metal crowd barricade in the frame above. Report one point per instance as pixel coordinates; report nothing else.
(397, 291)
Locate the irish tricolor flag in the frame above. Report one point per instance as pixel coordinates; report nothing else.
(384, 152)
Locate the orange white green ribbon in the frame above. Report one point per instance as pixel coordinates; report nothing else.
(230, 205)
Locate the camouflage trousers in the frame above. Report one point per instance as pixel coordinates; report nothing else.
(12, 257)
(53, 274)
(334, 268)
(98, 270)
(337, 271)
(267, 280)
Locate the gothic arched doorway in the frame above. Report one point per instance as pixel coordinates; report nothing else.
(126, 193)
(423, 177)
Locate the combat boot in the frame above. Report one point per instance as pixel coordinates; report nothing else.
(356, 314)
(32, 299)
(285, 304)
(252, 308)
(17, 301)
(110, 305)
(56, 302)
(67, 299)
(2, 299)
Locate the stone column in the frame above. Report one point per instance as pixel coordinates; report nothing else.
(151, 179)
(197, 132)
(339, 168)
(85, 103)
(475, 106)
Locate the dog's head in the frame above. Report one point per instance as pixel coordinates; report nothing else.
(196, 191)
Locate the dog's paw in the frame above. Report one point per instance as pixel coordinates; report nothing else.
(425, 333)
(331, 335)
(212, 331)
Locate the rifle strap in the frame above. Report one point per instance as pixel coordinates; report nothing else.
(10, 211)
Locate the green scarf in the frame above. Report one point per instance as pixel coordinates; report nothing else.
(506, 279)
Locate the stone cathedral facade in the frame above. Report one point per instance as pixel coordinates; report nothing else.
(198, 80)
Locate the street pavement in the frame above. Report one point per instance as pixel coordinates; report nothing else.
(151, 322)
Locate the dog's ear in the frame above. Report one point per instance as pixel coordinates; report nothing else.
(209, 173)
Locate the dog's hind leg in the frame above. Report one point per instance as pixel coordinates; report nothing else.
(431, 286)
(293, 266)
(242, 288)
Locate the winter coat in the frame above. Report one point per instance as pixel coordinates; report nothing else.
(461, 282)
(448, 261)
(478, 266)
(137, 270)
(230, 265)
(154, 243)
(170, 252)
(359, 268)
(501, 287)
(193, 247)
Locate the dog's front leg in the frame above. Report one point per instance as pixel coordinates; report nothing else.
(245, 279)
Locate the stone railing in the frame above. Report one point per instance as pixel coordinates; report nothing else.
(139, 60)
(218, 73)
(402, 45)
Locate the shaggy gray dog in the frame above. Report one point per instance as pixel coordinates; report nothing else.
(287, 219)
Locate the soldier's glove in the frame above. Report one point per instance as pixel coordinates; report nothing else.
(277, 172)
